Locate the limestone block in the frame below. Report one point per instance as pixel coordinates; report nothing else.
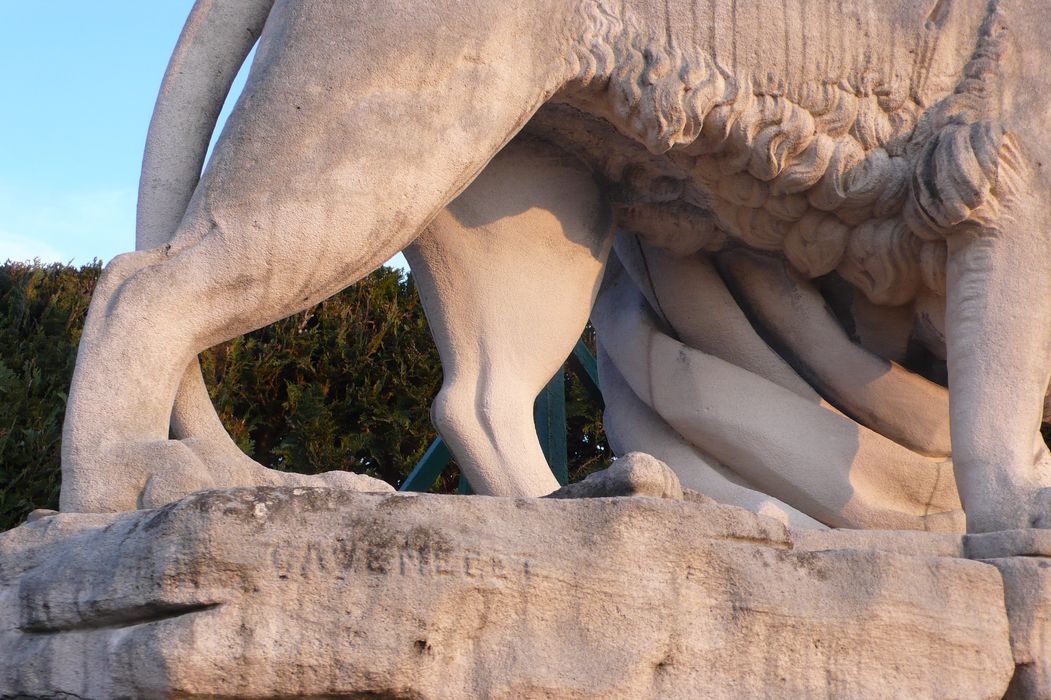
(292, 592)
(1027, 590)
(907, 542)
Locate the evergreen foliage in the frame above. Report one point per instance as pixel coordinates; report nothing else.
(42, 311)
(346, 384)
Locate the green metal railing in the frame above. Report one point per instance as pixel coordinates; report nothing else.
(549, 413)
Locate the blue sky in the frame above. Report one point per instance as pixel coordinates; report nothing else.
(79, 79)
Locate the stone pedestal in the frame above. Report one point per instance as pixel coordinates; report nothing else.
(277, 593)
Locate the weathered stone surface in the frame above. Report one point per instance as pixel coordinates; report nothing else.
(907, 542)
(1031, 542)
(281, 592)
(1027, 590)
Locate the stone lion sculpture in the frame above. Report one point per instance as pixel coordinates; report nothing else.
(751, 166)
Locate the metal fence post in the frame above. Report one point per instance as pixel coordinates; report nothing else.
(549, 413)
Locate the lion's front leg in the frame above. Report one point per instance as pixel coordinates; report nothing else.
(355, 128)
(999, 352)
(998, 322)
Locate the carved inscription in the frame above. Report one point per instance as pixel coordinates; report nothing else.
(416, 553)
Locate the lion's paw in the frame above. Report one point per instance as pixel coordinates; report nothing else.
(231, 467)
(344, 481)
(634, 474)
(349, 481)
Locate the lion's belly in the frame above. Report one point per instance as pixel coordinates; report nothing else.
(848, 219)
(813, 159)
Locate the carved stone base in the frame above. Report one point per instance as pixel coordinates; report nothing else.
(282, 592)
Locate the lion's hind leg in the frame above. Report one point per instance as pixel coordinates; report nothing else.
(507, 275)
(335, 158)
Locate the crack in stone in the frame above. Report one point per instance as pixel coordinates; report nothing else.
(118, 619)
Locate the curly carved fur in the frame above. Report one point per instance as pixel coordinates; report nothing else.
(853, 176)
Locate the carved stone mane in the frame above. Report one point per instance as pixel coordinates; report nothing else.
(847, 176)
